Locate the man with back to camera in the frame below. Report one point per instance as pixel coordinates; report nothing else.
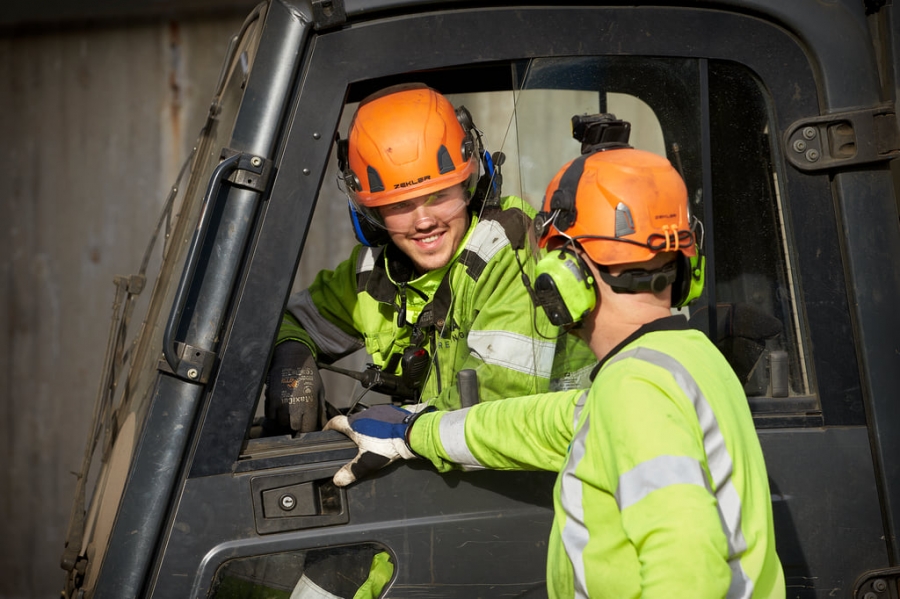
(662, 488)
(435, 287)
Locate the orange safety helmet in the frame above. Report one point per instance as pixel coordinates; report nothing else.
(622, 205)
(406, 141)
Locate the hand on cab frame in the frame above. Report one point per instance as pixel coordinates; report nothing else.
(382, 435)
(294, 391)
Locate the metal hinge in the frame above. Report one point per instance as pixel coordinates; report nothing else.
(194, 364)
(328, 13)
(843, 139)
(877, 584)
(252, 172)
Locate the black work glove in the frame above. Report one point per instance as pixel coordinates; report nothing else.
(294, 392)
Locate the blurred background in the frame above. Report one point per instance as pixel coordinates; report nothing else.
(101, 102)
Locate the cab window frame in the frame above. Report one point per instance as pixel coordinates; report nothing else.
(335, 72)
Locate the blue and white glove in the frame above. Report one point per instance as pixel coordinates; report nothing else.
(382, 435)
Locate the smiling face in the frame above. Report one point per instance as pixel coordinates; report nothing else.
(428, 228)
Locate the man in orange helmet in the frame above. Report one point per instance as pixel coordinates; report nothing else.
(662, 488)
(435, 286)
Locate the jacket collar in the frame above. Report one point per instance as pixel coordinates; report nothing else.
(676, 322)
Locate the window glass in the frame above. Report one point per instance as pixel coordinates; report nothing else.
(754, 277)
(752, 294)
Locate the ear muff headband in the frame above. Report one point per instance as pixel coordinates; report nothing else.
(351, 181)
(639, 280)
(687, 275)
(564, 287)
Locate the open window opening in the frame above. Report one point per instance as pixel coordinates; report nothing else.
(700, 115)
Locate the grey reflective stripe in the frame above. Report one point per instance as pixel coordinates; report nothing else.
(452, 431)
(721, 467)
(514, 351)
(658, 473)
(575, 535)
(579, 406)
(365, 261)
(488, 238)
(577, 379)
(326, 335)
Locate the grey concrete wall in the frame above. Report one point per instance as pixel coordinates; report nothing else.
(93, 125)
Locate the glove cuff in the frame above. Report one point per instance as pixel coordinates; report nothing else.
(409, 421)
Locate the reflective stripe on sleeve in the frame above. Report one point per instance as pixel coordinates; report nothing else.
(514, 351)
(658, 473)
(452, 431)
(575, 535)
(721, 466)
(327, 336)
(579, 406)
(488, 238)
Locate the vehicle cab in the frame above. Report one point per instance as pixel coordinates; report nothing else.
(780, 116)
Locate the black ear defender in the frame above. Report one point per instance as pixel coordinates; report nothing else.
(564, 287)
(366, 232)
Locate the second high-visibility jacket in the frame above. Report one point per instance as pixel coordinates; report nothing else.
(474, 313)
(662, 488)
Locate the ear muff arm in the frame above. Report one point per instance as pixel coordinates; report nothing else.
(639, 280)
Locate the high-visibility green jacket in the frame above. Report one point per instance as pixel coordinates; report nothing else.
(474, 313)
(662, 488)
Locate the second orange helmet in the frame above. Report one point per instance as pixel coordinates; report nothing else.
(622, 205)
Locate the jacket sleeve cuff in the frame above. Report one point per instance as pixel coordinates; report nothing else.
(290, 330)
(424, 440)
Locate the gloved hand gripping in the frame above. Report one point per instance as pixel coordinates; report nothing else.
(295, 394)
(382, 435)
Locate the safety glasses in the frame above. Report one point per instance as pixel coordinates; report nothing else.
(439, 207)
